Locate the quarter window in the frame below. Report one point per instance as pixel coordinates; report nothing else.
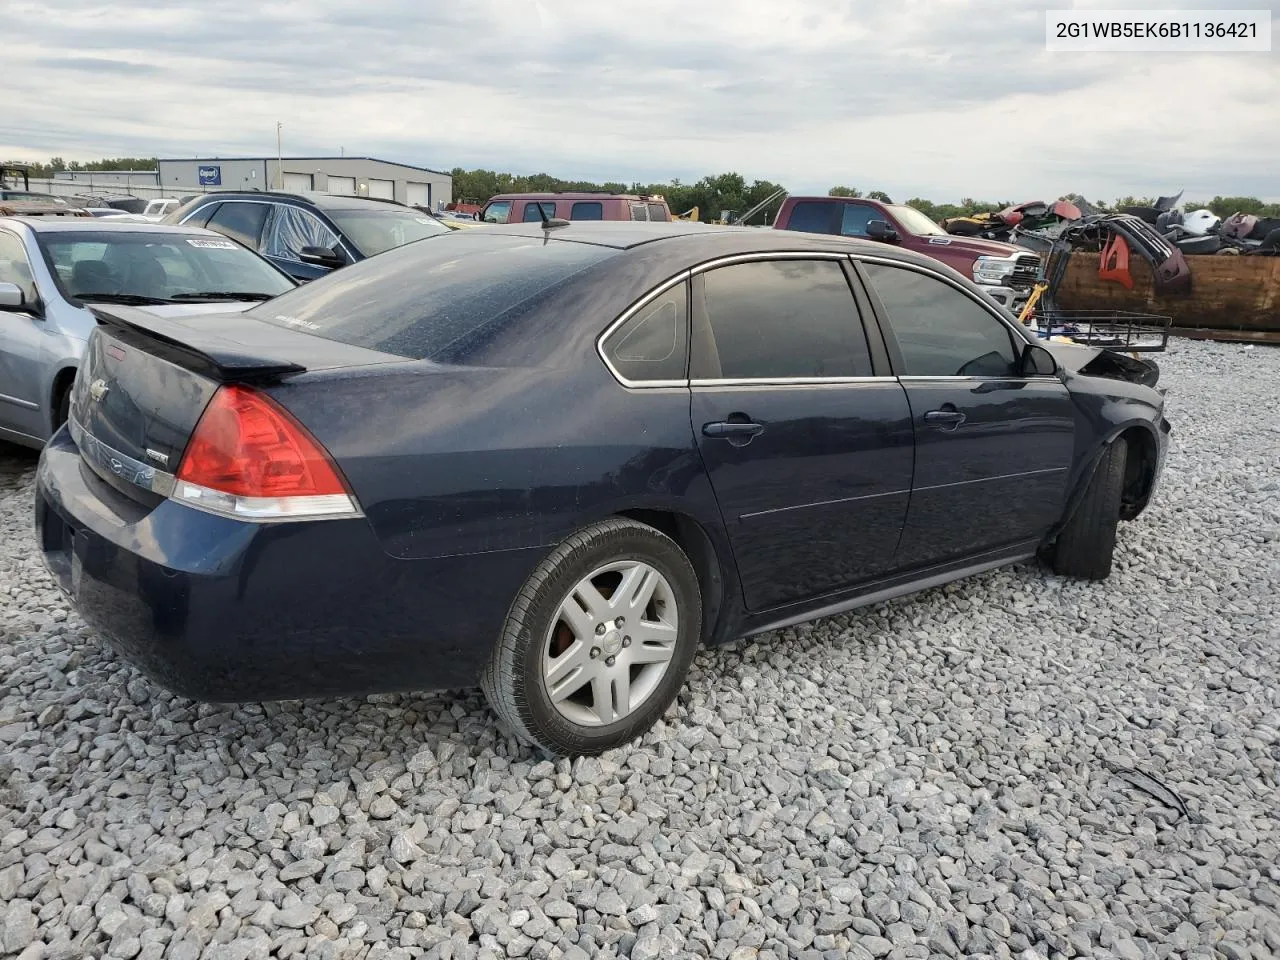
(657, 211)
(639, 211)
(779, 319)
(241, 222)
(940, 331)
(653, 344)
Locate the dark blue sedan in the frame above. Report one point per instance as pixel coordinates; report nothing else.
(557, 459)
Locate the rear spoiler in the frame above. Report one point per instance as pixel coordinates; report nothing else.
(200, 349)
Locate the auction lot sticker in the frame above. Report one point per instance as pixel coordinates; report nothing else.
(1158, 31)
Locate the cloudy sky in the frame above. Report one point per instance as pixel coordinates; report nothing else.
(938, 98)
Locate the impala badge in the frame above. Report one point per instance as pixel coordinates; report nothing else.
(158, 457)
(98, 389)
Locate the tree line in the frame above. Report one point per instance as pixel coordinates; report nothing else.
(712, 195)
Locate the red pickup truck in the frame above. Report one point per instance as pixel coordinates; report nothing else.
(1004, 271)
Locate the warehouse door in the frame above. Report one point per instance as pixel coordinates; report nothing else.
(298, 182)
(419, 194)
(343, 186)
(382, 189)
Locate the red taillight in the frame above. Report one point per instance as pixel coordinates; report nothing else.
(249, 458)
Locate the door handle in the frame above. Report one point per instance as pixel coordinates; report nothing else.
(731, 430)
(948, 418)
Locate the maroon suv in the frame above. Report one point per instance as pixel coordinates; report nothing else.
(1006, 272)
(529, 207)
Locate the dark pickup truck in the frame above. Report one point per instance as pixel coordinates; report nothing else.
(1004, 271)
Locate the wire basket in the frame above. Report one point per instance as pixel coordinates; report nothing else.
(1122, 331)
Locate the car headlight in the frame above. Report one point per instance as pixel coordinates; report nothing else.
(992, 269)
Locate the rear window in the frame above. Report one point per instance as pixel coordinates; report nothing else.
(433, 301)
(658, 211)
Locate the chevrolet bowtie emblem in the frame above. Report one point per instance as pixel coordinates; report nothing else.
(98, 389)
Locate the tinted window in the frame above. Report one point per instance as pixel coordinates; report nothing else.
(531, 214)
(940, 331)
(587, 210)
(780, 318)
(241, 221)
(657, 212)
(813, 216)
(201, 217)
(497, 212)
(444, 300)
(14, 267)
(653, 344)
(639, 211)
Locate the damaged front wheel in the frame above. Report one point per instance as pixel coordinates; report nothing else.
(1087, 543)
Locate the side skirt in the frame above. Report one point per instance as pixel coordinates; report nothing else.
(879, 591)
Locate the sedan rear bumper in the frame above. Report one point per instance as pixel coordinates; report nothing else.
(222, 610)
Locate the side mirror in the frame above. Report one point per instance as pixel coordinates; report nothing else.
(1037, 361)
(881, 230)
(321, 257)
(12, 297)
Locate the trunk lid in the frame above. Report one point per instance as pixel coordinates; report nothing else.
(146, 380)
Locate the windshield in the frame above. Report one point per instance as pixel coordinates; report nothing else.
(377, 231)
(915, 221)
(31, 195)
(158, 267)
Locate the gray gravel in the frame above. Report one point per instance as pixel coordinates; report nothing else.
(944, 776)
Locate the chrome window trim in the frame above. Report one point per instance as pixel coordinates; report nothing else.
(626, 315)
(266, 203)
(769, 255)
(789, 381)
(102, 457)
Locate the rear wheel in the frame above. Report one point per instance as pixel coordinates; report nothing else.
(1088, 541)
(598, 641)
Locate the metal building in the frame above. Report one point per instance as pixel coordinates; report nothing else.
(347, 176)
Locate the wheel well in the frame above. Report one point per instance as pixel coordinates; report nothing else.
(1139, 471)
(697, 546)
(61, 384)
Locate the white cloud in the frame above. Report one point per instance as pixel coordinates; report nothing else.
(938, 98)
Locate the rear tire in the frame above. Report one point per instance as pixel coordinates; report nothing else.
(598, 641)
(1087, 543)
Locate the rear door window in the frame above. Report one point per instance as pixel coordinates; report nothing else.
(815, 216)
(779, 319)
(587, 210)
(653, 343)
(241, 221)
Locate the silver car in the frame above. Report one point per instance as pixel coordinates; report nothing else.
(52, 272)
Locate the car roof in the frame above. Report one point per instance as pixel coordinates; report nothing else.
(99, 225)
(627, 234)
(577, 195)
(322, 201)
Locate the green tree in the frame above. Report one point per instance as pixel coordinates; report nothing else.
(844, 192)
(879, 195)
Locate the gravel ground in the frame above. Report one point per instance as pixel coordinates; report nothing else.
(948, 775)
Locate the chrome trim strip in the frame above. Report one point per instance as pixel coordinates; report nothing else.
(789, 381)
(823, 503)
(769, 255)
(1036, 378)
(104, 458)
(626, 315)
(1003, 476)
(17, 402)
